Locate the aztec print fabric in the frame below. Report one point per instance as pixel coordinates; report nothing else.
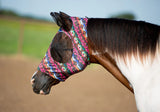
(80, 56)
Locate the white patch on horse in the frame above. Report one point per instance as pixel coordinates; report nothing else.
(95, 53)
(34, 74)
(144, 78)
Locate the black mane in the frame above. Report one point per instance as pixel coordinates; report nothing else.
(120, 36)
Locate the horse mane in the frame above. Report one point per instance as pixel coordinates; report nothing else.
(123, 37)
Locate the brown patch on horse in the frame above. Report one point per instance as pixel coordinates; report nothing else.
(109, 63)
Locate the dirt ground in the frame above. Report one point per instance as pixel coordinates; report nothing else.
(93, 90)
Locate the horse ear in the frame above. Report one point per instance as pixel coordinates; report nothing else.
(63, 20)
(57, 18)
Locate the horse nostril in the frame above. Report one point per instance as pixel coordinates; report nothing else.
(32, 81)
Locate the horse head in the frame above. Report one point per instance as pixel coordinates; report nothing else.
(66, 55)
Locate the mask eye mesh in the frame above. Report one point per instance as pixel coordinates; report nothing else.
(61, 48)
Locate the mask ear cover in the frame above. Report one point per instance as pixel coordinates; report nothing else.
(63, 20)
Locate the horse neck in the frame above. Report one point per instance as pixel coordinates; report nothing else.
(109, 63)
(120, 47)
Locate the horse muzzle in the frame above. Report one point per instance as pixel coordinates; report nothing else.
(42, 83)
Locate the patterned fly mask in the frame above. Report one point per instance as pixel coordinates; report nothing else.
(80, 56)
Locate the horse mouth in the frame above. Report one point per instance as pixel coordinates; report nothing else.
(42, 83)
(44, 91)
(41, 91)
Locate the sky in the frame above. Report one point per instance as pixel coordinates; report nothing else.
(146, 10)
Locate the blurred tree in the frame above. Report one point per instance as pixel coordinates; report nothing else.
(124, 16)
(8, 12)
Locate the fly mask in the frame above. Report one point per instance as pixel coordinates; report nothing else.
(80, 56)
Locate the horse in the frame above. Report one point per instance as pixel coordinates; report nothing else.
(128, 49)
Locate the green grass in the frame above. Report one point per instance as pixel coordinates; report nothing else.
(8, 36)
(36, 37)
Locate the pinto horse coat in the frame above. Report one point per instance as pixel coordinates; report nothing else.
(135, 48)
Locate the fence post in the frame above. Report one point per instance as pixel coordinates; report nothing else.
(21, 36)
